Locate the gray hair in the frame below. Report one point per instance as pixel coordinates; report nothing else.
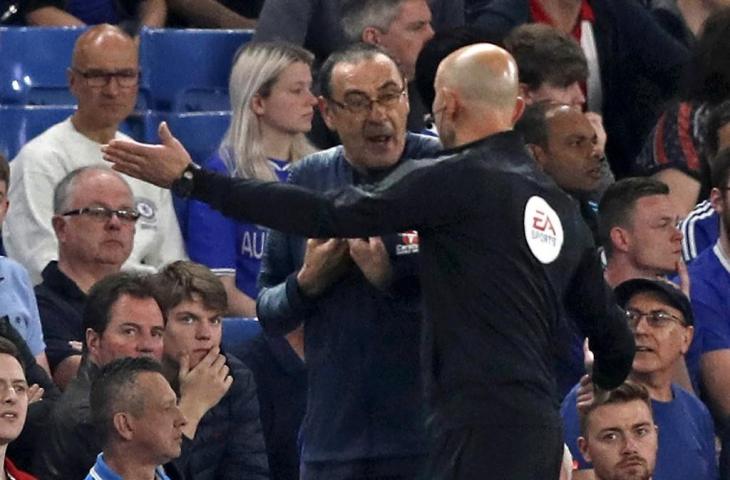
(64, 189)
(357, 15)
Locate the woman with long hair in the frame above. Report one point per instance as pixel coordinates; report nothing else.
(272, 108)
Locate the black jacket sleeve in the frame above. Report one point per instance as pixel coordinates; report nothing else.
(592, 304)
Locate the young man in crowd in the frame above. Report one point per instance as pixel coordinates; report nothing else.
(618, 434)
(15, 395)
(637, 224)
(194, 302)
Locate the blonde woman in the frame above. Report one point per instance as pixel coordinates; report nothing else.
(272, 103)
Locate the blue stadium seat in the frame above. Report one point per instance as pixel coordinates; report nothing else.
(237, 331)
(187, 70)
(18, 124)
(33, 63)
(201, 133)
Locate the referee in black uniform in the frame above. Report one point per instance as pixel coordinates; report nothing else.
(503, 251)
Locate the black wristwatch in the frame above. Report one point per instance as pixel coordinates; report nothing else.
(183, 186)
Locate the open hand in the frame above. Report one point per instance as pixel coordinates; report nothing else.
(157, 164)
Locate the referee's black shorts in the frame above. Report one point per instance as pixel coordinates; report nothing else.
(497, 453)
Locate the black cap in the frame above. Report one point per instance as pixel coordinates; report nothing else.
(671, 294)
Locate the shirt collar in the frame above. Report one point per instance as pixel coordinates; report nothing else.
(60, 282)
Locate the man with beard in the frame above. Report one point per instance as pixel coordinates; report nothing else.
(619, 435)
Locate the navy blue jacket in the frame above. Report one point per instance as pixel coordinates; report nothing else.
(229, 442)
(640, 63)
(281, 384)
(364, 399)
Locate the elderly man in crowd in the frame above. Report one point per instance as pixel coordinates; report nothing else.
(370, 282)
(661, 318)
(94, 219)
(104, 78)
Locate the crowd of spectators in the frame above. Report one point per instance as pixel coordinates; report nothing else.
(111, 357)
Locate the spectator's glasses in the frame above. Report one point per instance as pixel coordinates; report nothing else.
(103, 214)
(655, 319)
(359, 103)
(101, 78)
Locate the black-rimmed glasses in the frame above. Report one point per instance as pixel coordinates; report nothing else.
(103, 214)
(101, 78)
(359, 103)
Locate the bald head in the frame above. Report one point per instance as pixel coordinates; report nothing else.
(477, 91)
(104, 78)
(482, 73)
(96, 40)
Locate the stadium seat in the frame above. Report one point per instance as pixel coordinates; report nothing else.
(237, 331)
(201, 133)
(187, 70)
(20, 124)
(33, 65)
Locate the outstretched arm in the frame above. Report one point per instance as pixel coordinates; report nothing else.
(395, 204)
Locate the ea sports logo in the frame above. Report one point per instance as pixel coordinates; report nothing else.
(543, 230)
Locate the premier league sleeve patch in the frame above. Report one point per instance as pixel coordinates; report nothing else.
(543, 230)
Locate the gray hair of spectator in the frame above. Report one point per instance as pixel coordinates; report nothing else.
(545, 54)
(185, 280)
(626, 392)
(107, 291)
(721, 169)
(4, 170)
(352, 54)
(256, 69)
(617, 205)
(64, 190)
(116, 390)
(357, 15)
(8, 348)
